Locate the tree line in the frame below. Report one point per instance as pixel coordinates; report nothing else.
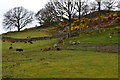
(53, 12)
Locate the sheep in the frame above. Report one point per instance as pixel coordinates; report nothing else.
(78, 42)
(110, 36)
(13, 41)
(11, 47)
(73, 43)
(30, 42)
(3, 40)
(55, 45)
(19, 50)
(61, 42)
(46, 49)
(58, 49)
(28, 37)
(42, 59)
(25, 41)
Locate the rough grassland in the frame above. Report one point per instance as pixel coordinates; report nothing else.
(34, 63)
(92, 40)
(25, 34)
(63, 64)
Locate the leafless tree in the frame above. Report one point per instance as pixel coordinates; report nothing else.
(17, 17)
(85, 9)
(48, 15)
(109, 4)
(81, 7)
(66, 7)
(93, 6)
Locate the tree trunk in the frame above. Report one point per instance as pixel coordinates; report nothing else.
(69, 16)
(18, 29)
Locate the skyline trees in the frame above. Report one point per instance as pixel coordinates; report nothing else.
(17, 17)
(53, 12)
(67, 9)
(109, 4)
(48, 15)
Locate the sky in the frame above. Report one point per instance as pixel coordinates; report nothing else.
(31, 5)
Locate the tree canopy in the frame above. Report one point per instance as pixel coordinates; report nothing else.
(48, 15)
(17, 17)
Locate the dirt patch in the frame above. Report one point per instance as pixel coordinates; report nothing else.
(108, 48)
(114, 48)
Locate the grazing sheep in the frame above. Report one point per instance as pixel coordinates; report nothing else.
(58, 49)
(78, 42)
(13, 41)
(73, 43)
(3, 40)
(46, 49)
(55, 45)
(30, 42)
(28, 37)
(61, 42)
(19, 50)
(42, 59)
(25, 41)
(11, 47)
(110, 36)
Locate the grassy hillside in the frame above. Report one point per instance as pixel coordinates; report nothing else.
(71, 62)
(60, 64)
(93, 37)
(107, 40)
(26, 33)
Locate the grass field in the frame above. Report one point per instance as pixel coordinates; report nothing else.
(28, 33)
(94, 41)
(60, 64)
(70, 62)
(93, 37)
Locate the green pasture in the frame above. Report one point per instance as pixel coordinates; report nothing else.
(34, 63)
(93, 37)
(74, 63)
(61, 64)
(25, 34)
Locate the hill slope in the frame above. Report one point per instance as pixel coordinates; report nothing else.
(87, 59)
(70, 62)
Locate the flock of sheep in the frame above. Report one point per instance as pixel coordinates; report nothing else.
(16, 49)
(53, 47)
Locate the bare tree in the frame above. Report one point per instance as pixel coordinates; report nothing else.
(85, 9)
(109, 4)
(41, 16)
(93, 6)
(67, 8)
(17, 17)
(81, 7)
(48, 16)
(118, 5)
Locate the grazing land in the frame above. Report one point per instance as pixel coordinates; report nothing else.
(73, 61)
(70, 53)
